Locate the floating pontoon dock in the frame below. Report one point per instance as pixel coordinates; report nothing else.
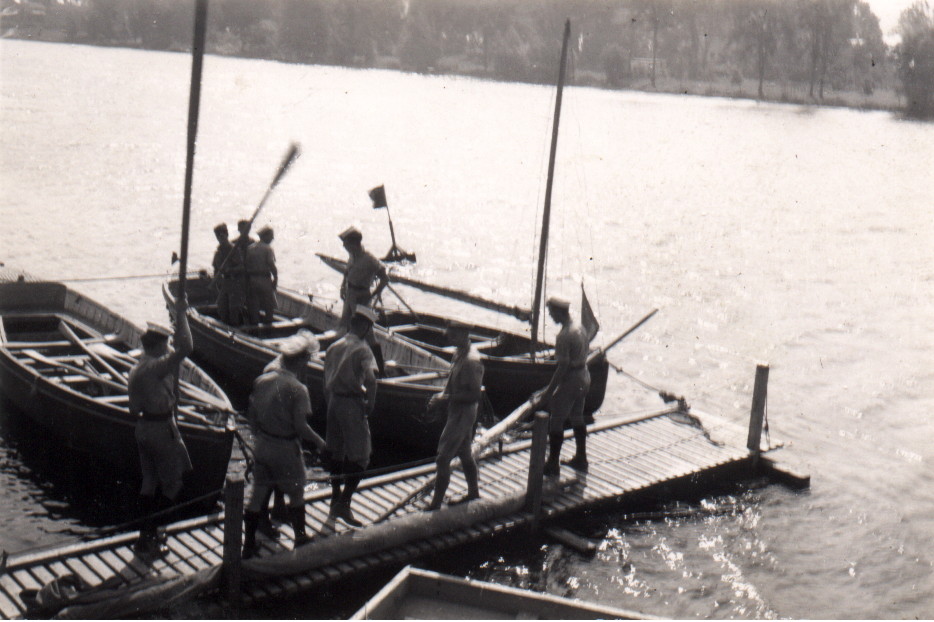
(629, 456)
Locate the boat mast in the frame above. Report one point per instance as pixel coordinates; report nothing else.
(194, 102)
(546, 215)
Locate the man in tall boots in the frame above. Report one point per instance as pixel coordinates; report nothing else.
(164, 459)
(280, 407)
(350, 389)
(566, 393)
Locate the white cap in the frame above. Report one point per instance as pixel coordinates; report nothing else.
(366, 312)
(302, 341)
(558, 302)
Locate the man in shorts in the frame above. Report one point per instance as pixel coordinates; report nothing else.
(463, 392)
(567, 391)
(280, 408)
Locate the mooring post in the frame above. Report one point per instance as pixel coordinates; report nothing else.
(533, 496)
(233, 536)
(759, 393)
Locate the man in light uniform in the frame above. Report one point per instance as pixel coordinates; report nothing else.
(462, 392)
(280, 407)
(350, 389)
(164, 459)
(567, 391)
(264, 278)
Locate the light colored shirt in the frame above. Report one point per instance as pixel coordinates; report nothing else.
(260, 259)
(345, 366)
(466, 378)
(151, 385)
(276, 398)
(571, 345)
(362, 270)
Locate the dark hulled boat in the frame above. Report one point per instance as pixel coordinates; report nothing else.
(510, 375)
(414, 375)
(64, 361)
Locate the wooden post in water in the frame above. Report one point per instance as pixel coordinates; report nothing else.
(533, 496)
(233, 537)
(757, 415)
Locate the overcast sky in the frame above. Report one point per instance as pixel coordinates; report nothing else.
(888, 12)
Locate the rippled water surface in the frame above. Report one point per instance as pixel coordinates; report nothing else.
(801, 237)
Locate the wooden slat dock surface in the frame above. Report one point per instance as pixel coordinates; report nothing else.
(627, 455)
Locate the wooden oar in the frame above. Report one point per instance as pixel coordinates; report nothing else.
(195, 392)
(513, 310)
(601, 351)
(479, 444)
(75, 370)
(73, 338)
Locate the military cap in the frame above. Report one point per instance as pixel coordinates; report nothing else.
(350, 234)
(157, 330)
(301, 342)
(221, 227)
(558, 302)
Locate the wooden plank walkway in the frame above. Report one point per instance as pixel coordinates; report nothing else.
(627, 455)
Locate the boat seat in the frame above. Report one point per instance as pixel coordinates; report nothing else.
(405, 328)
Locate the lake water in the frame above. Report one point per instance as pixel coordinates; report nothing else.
(801, 237)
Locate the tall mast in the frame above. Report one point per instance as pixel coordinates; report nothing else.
(194, 103)
(546, 215)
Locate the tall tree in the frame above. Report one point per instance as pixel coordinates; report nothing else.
(915, 56)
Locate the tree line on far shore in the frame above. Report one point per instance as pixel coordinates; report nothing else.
(813, 46)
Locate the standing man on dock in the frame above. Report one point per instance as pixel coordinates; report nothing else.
(280, 408)
(164, 459)
(350, 389)
(463, 391)
(362, 269)
(264, 278)
(567, 391)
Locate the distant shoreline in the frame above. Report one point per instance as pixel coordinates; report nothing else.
(796, 93)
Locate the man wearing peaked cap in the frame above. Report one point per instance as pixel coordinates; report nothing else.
(463, 392)
(566, 393)
(350, 389)
(264, 278)
(279, 410)
(361, 271)
(164, 459)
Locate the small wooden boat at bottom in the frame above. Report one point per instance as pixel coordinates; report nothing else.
(64, 361)
(416, 594)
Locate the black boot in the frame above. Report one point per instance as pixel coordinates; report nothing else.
(147, 545)
(553, 465)
(297, 518)
(350, 486)
(579, 461)
(250, 524)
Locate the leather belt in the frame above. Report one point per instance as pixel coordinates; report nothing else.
(156, 416)
(281, 437)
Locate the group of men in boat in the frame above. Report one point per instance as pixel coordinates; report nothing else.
(280, 404)
(245, 275)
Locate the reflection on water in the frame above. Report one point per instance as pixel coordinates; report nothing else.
(761, 234)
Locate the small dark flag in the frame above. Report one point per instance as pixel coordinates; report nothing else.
(378, 196)
(588, 319)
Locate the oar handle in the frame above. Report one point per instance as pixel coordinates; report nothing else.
(613, 343)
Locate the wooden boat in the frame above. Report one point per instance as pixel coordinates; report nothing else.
(510, 373)
(414, 375)
(64, 361)
(515, 366)
(416, 594)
